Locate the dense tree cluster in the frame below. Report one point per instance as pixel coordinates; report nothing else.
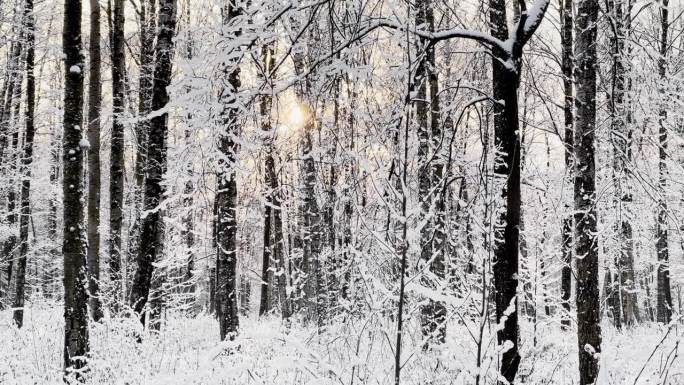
(492, 165)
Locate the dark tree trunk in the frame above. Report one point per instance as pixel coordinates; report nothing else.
(212, 290)
(13, 80)
(612, 297)
(432, 236)
(267, 272)
(11, 104)
(188, 236)
(567, 22)
(348, 199)
(507, 170)
(226, 195)
(148, 29)
(188, 233)
(664, 296)
(422, 107)
(152, 230)
(26, 160)
(76, 343)
(309, 237)
(53, 215)
(145, 82)
(279, 254)
(116, 171)
(586, 241)
(94, 108)
(311, 227)
(621, 138)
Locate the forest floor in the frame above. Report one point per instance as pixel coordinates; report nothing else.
(355, 352)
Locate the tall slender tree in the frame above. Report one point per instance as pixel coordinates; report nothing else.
(117, 167)
(226, 195)
(151, 234)
(621, 136)
(188, 233)
(9, 136)
(26, 161)
(94, 185)
(265, 105)
(76, 341)
(148, 28)
(586, 241)
(567, 66)
(664, 295)
(507, 170)
(429, 135)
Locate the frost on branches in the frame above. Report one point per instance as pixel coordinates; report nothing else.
(341, 192)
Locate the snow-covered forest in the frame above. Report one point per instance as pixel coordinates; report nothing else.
(341, 192)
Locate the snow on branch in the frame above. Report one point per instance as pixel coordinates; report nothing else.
(535, 15)
(447, 34)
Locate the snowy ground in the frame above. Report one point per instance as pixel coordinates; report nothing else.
(359, 352)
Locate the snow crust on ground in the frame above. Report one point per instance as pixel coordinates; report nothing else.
(359, 351)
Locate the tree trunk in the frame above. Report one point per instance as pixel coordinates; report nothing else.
(76, 343)
(664, 296)
(567, 65)
(54, 253)
(145, 82)
(117, 168)
(212, 290)
(310, 216)
(507, 170)
(26, 161)
(432, 234)
(267, 272)
(188, 233)
(12, 81)
(151, 234)
(94, 108)
(245, 295)
(621, 138)
(226, 195)
(10, 108)
(612, 297)
(279, 254)
(586, 242)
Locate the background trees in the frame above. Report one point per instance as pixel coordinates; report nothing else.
(392, 168)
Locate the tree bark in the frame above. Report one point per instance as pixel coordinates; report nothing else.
(76, 345)
(664, 295)
(117, 167)
(586, 242)
(152, 230)
(567, 20)
(267, 272)
(94, 109)
(432, 235)
(54, 252)
(10, 108)
(188, 233)
(621, 138)
(226, 195)
(507, 170)
(26, 161)
(148, 29)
